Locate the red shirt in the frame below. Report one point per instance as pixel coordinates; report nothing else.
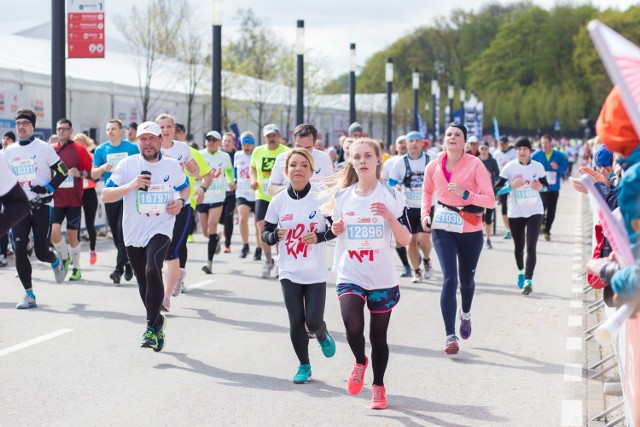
(73, 155)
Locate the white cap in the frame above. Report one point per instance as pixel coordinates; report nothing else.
(269, 129)
(214, 134)
(148, 127)
(473, 139)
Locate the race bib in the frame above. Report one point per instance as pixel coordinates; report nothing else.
(447, 220)
(265, 187)
(414, 197)
(67, 183)
(552, 177)
(216, 190)
(526, 197)
(364, 232)
(115, 158)
(24, 170)
(244, 186)
(153, 201)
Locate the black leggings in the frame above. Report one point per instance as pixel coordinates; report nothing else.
(352, 309)
(39, 221)
(114, 217)
(550, 203)
(147, 266)
(90, 207)
(183, 251)
(227, 217)
(14, 206)
(305, 303)
(518, 228)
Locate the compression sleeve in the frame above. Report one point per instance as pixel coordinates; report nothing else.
(270, 233)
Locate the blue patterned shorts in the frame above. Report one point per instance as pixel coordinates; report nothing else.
(378, 300)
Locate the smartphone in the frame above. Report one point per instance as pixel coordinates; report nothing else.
(145, 173)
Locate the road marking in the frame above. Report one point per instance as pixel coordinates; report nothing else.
(34, 341)
(200, 284)
(574, 343)
(572, 372)
(571, 413)
(575, 303)
(576, 289)
(575, 320)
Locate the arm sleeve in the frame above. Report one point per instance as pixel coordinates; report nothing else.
(228, 170)
(501, 182)
(484, 197)
(328, 234)
(270, 233)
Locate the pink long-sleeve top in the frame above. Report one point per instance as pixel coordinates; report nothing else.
(469, 174)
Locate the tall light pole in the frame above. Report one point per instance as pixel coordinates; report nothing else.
(434, 100)
(216, 79)
(415, 83)
(426, 118)
(463, 95)
(58, 71)
(388, 76)
(300, 79)
(450, 94)
(352, 83)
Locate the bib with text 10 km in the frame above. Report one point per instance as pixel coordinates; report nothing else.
(414, 197)
(153, 201)
(364, 232)
(115, 158)
(526, 196)
(24, 170)
(447, 220)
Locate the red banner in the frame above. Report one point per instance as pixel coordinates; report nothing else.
(85, 29)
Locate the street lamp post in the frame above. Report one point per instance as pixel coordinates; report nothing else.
(415, 83)
(352, 83)
(300, 79)
(216, 80)
(434, 100)
(450, 94)
(426, 118)
(462, 98)
(58, 70)
(388, 75)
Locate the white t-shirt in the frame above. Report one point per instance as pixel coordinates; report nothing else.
(242, 165)
(218, 162)
(297, 261)
(388, 165)
(321, 161)
(413, 194)
(31, 164)
(7, 179)
(367, 268)
(503, 158)
(167, 176)
(525, 201)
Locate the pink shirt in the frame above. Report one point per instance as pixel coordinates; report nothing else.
(469, 174)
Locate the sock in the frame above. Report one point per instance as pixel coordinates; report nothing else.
(75, 255)
(30, 293)
(465, 316)
(61, 247)
(520, 272)
(426, 263)
(417, 271)
(269, 257)
(402, 253)
(211, 249)
(245, 246)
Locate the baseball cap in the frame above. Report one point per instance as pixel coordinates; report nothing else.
(133, 125)
(473, 139)
(149, 127)
(269, 129)
(214, 134)
(180, 127)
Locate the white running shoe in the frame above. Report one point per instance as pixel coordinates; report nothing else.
(166, 303)
(27, 302)
(417, 277)
(177, 289)
(267, 267)
(428, 271)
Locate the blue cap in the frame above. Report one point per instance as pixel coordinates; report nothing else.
(412, 135)
(602, 157)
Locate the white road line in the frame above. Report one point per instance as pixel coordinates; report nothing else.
(200, 284)
(571, 415)
(34, 341)
(577, 267)
(575, 320)
(575, 303)
(574, 343)
(572, 372)
(576, 289)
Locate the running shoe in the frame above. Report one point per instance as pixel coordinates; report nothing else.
(184, 289)
(160, 334)
(27, 302)
(59, 270)
(417, 276)
(267, 268)
(547, 236)
(93, 257)
(75, 275)
(166, 303)
(428, 271)
(303, 375)
(149, 338)
(177, 288)
(378, 398)
(328, 345)
(218, 245)
(67, 263)
(257, 255)
(190, 239)
(244, 252)
(227, 249)
(207, 267)
(356, 379)
(507, 235)
(407, 271)
(465, 326)
(528, 287)
(115, 276)
(521, 279)
(451, 345)
(3, 261)
(488, 244)
(128, 272)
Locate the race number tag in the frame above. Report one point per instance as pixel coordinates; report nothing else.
(265, 187)
(447, 220)
(24, 170)
(67, 183)
(216, 190)
(115, 158)
(552, 177)
(364, 232)
(153, 201)
(526, 197)
(244, 186)
(414, 197)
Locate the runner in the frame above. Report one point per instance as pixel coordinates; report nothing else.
(408, 175)
(105, 158)
(366, 214)
(32, 160)
(181, 152)
(294, 222)
(245, 196)
(463, 187)
(526, 178)
(262, 160)
(14, 205)
(8, 139)
(494, 172)
(89, 199)
(67, 199)
(504, 155)
(147, 183)
(229, 207)
(210, 210)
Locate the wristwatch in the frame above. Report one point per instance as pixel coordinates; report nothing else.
(465, 195)
(184, 202)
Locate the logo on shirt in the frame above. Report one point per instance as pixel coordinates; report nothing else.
(350, 213)
(312, 214)
(318, 171)
(180, 157)
(286, 217)
(166, 178)
(267, 164)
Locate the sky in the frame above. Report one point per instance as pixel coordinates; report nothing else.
(330, 25)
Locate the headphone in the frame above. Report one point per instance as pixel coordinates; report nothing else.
(378, 161)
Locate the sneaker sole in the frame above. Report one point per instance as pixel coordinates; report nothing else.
(527, 290)
(302, 382)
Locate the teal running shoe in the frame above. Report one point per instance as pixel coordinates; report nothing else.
(528, 287)
(328, 345)
(149, 338)
(303, 375)
(160, 334)
(521, 279)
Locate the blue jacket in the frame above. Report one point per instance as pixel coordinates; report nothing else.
(557, 157)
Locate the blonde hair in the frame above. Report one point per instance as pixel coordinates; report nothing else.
(165, 116)
(301, 151)
(88, 143)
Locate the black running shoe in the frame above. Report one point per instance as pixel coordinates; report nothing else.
(128, 272)
(115, 276)
(257, 255)
(244, 252)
